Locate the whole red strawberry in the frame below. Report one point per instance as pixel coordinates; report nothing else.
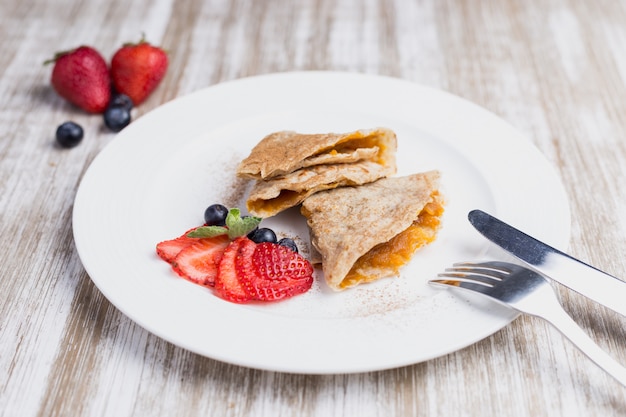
(81, 76)
(137, 69)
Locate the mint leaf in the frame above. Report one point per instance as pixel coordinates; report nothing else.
(234, 214)
(208, 231)
(238, 226)
(235, 226)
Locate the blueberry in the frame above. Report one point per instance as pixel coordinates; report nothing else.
(121, 100)
(215, 215)
(288, 243)
(262, 234)
(116, 118)
(69, 134)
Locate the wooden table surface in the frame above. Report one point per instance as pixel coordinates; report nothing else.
(553, 69)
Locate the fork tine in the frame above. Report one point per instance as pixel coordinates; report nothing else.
(466, 285)
(483, 269)
(452, 274)
(502, 267)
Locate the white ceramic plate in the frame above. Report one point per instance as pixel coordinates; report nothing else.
(154, 180)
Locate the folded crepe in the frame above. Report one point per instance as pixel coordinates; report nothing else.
(369, 232)
(268, 198)
(283, 152)
(288, 166)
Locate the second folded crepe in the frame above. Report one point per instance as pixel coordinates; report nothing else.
(366, 233)
(288, 166)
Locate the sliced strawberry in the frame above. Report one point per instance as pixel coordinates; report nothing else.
(227, 284)
(198, 262)
(245, 268)
(168, 249)
(279, 273)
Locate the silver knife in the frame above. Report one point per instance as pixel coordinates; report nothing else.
(561, 267)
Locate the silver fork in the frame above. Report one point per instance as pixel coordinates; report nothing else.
(528, 292)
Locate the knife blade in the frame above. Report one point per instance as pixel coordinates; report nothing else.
(559, 266)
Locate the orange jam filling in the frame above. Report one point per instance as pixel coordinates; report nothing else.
(356, 141)
(284, 199)
(398, 251)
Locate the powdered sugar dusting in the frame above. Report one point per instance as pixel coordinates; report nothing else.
(233, 189)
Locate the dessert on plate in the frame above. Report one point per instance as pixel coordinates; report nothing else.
(364, 223)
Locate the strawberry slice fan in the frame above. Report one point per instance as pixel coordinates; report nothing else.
(238, 268)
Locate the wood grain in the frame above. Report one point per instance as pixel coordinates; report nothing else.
(554, 69)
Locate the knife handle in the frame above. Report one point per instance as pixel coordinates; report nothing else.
(556, 316)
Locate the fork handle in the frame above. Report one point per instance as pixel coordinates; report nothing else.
(570, 329)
